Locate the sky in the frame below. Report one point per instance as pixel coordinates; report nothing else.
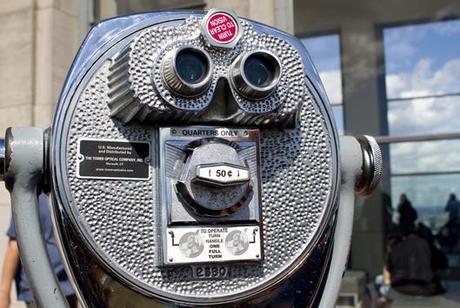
(406, 46)
(325, 52)
(420, 60)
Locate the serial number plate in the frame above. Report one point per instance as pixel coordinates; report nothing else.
(209, 271)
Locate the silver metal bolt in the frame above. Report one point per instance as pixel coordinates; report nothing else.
(372, 166)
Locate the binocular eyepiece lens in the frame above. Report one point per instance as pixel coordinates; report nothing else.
(191, 65)
(256, 74)
(257, 71)
(187, 71)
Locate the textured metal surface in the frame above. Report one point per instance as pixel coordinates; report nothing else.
(137, 89)
(102, 289)
(118, 217)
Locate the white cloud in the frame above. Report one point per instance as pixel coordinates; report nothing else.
(436, 156)
(423, 80)
(332, 81)
(424, 116)
(425, 156)
(448, 28)
(401, 49)
(411, 32)
(430, 115)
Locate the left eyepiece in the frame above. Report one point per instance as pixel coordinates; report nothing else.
(187, 71)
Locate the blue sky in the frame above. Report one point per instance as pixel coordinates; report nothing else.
(420, 60)
(423, 60)
(325, 51)
(406, 46)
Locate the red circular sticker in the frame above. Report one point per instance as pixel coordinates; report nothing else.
(222, 27)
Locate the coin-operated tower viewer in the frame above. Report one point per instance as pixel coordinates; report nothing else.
(193, 161)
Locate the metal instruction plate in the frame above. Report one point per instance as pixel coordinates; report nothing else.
(113, 159)
(206, 244)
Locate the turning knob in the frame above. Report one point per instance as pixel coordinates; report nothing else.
(372, 166)
(215, 181)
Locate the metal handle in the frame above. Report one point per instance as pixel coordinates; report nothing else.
(361, 167)
(351, 164)
(25, 157)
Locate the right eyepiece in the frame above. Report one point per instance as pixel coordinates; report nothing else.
(255, 74)
(187, 71)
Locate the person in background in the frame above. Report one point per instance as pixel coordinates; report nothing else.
(412, 259)
(449, 234)
(453, 207)
(449, 238)
(407, 214)
(411, 265)
(12, 269)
